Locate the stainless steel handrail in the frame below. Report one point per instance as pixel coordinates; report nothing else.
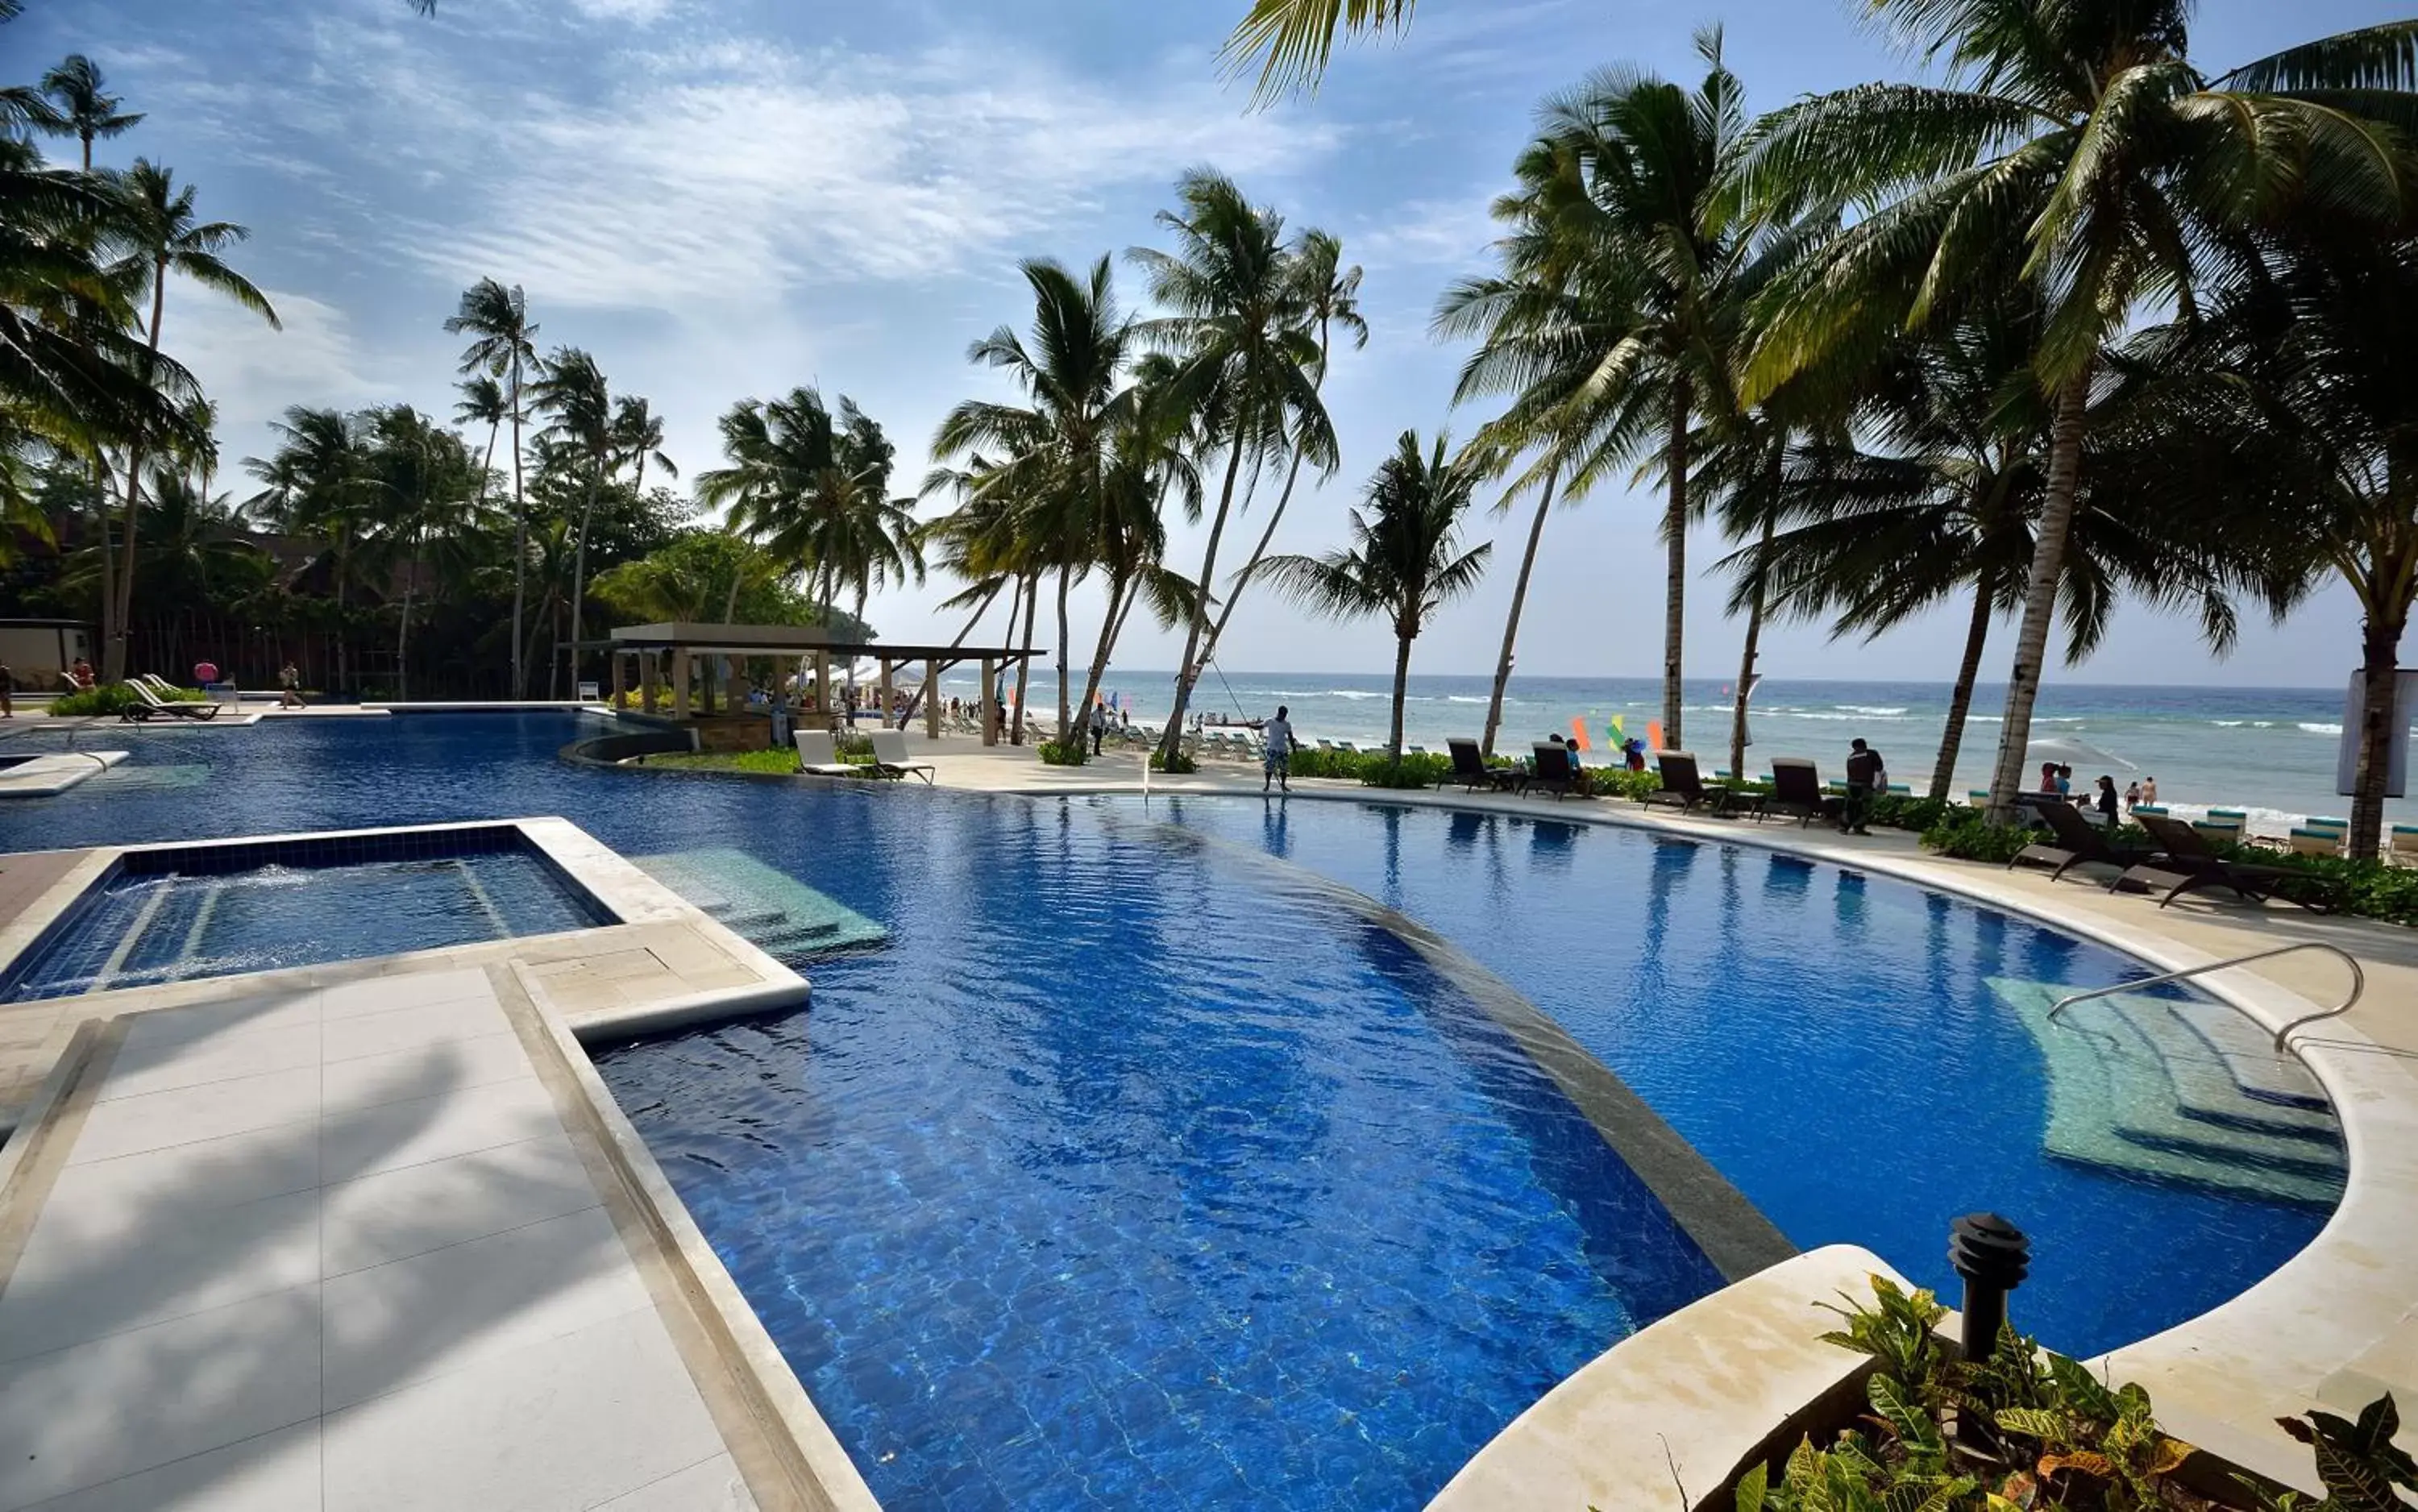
(2358, 983)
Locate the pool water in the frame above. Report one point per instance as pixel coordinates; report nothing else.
(146, 928)
(1124, 1172)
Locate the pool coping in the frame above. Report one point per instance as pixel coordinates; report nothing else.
(54, 772)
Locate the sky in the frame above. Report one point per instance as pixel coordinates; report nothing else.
(727, 198)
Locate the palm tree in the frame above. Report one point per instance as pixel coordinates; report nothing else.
(1331, 295)
(161, 235)
(317, 484)
(814, 490)
(1294, 38)
(2083, 136)
(638, 438)
(2278, 423)
(81, 106)
(1942, 501)
(1551, 330)
(1239, 327)
(503, 346)
(574, 392)
(424, 489)
(1058, 448)
(1405, 560)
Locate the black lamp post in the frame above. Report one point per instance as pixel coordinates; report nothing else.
(1993, 1256)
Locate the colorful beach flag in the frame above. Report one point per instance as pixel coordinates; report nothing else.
(1578, 732)
(1654, 735)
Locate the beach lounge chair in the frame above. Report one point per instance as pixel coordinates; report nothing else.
(1796, 789)
(2192, 864)
(1551, 770)
(2077, 840)
(1683, 785)
(1469, 769)
(819, 756)
(2402, 845)
(2308, 842)
(890, 754)
(150, 704)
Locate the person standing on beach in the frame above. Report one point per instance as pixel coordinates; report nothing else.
(2133, 795)
(1276, 753)
(1866, 775)
(2148, 792)
(1099, 727)
(2108, 800)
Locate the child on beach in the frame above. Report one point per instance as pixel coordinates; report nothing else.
(2133, 796)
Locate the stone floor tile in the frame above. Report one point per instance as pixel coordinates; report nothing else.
(158, 1119)
(449, 1309)
(362, 1141)
(400, 1214)
(568, 1422)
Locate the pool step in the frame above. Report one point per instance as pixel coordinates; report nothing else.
(770, 909)
(2134, 1101)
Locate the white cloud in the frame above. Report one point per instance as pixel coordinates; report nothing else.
(642, 12)
(254, 372)
(720, 171)
(1453, 233)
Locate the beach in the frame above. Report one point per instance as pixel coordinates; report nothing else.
(2267, 750)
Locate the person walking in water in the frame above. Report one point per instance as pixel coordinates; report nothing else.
(2150, 791)
(1866, 773)
(1276, 754)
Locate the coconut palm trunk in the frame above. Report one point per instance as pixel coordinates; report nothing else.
(122, 613)
(1024, 666)
(1675, 590)
(520, 545)
(2040, 595)
(579, 576)
(1402, 638)
(1512, 620)
(112, 659)
(1172, 741)
(1960, 698)
(1746, 660)
(1066, 720)
(2380, 642)
(1110, 622)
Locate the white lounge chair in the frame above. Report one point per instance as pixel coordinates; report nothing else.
(890, 754)
(151, 706)
(819, 756)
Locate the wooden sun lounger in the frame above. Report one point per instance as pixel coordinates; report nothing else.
(2190, 864)
(2078, 841)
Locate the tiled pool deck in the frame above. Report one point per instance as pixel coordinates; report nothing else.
(372, 1235)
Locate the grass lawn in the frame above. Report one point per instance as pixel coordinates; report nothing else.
(734, 760)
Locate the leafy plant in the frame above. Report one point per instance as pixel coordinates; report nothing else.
(1072, 753)
(117, 698)
(1967, 834)
(2357, 1462)
(1177, 764)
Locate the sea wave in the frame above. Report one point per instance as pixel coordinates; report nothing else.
(2229, 723)
(2323, 729)
(1870, 709)
(1465, 698)
(1353, 693)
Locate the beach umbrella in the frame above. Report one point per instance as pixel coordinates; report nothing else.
(2068, 752)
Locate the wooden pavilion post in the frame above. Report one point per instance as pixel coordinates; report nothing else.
(650, 669)
(881, 693)
(614, 656)
(931, 698)
(679, 682)
(989, 726)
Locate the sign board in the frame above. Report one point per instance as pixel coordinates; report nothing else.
(589, 693)
(2405, 698)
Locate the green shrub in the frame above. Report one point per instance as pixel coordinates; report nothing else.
(1178, 765)
(1424, 770)
(1901, 812)
(2370, 888)
(117, 698)
(1967, 834)
(1072, 753)
(1619, 782)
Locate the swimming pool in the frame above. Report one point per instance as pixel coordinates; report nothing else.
(1100, 1077)
(161, 916)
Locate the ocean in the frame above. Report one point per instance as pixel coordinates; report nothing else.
(2270, 750)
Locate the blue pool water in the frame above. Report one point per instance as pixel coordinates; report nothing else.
(141, 929)
(1127, 1173)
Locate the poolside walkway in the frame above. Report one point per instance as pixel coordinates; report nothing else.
(349, 1247)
